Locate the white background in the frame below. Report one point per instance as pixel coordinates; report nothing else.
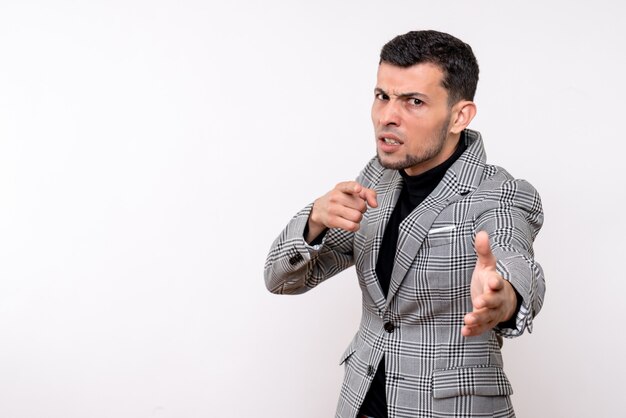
(150, 152)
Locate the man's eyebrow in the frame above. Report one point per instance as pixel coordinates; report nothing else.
(407, 95)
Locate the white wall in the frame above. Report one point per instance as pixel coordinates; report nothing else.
(150, 151)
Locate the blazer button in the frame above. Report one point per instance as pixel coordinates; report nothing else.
(370, 370)
(389, 327)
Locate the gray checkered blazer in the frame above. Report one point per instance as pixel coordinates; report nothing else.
(431, 369)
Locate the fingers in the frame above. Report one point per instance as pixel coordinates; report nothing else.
(345, 195)
(343, 207)
(496, 283)
(369, 196)
(354, 188)
(345, 224)
(345, 217)
(490, 308)
(486, 259)
(481, 317)
(349, 187)
(494, 296)
(479, 321)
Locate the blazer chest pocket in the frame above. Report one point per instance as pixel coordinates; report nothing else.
(477, 380)
(441, 235)
(346, 355)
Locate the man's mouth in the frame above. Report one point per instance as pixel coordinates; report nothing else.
(390, 141)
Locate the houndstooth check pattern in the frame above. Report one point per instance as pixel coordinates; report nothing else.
(432, 370)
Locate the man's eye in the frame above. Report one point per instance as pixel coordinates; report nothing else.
(416, 102)
(381, 96)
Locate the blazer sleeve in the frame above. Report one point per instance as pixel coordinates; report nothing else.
(293, 266)
(513, 220)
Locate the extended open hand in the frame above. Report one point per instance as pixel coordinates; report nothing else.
(493, 298)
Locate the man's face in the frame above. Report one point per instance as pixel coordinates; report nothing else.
(411, 117)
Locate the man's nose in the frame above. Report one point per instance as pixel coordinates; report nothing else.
(389, 114)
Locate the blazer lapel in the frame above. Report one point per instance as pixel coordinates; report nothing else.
(388, 191)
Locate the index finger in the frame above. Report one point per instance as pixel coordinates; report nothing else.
(350, 187)
(369, 195)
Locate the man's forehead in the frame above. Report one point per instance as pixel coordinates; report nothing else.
(420, 78)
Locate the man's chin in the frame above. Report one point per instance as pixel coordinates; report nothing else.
(391, 163)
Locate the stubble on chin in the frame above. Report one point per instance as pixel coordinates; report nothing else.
(409, 160)
(392, 165)
(433, 147)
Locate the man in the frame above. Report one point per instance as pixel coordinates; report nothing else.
(441, 241)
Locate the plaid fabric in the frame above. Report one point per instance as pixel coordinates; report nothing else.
(431, 369)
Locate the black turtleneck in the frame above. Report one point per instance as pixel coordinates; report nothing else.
(414, 190)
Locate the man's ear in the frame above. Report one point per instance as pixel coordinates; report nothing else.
(462, 114)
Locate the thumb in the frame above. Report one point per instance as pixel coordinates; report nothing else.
(486, 259)
(369, 196)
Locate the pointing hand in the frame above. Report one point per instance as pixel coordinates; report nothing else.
(343, 207)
